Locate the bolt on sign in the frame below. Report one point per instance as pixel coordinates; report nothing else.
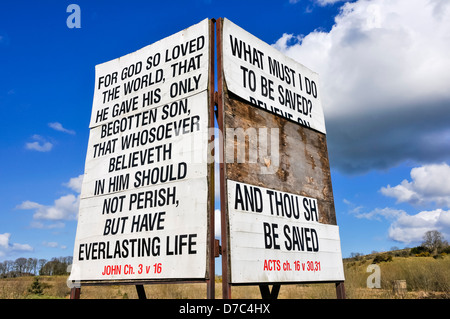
(280, 215)
(145, 196)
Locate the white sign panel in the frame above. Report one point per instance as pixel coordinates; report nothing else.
(276, 237)
(144, 199)
(165, 71)
(263, 76)
(153, 146)
(158, 232)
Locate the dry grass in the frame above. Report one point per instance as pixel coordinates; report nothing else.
(426, 278)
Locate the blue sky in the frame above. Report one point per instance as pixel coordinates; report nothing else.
(384, 73)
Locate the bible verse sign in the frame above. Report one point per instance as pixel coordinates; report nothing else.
(139, 217)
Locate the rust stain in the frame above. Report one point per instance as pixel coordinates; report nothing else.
(303, 166)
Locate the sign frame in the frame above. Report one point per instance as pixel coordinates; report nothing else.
(209, 277)
(225, 101)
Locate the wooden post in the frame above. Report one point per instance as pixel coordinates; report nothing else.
(210, 282)
(75, 293)
(267, 294)
(226, 287)
(141, 292)
(340, 290)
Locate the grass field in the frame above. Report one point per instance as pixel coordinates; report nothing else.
(426, 277)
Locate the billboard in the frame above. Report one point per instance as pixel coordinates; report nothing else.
(265, 77)
(280, 223)
(277, 237)
(139, 218)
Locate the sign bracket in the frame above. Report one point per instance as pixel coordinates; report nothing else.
(266, 293)
(141, 292)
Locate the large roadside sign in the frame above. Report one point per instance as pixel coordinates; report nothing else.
(147, 199)
(280, 217)
(145, 196)
(265, 77)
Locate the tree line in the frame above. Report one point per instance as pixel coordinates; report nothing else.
(33, 266)
(433, 244)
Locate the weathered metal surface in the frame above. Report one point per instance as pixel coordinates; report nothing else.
(289, 158)
(226, 288)
(210, 290)
(303, 166)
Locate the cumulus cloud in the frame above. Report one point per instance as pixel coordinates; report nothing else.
(51, 244)
(384, 72)
(6, 247)
(58, 127)
(63, 208)
(75, 183)
(429, 184)
(411, 228)
(327, 2)
(378, 213)
(40, 144)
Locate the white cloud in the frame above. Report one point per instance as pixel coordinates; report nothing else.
(41, 225)
(327, 2)
(319, 2)
(217, 223)
(58, 127)
(4, 240)
(429, 184)
(75, 183)
(40, 144)
(411, 228)
(387, 213)
(29, 205)
(51, 244)
(354, 210)
(63, 208)
(7, 248)
(384, 72)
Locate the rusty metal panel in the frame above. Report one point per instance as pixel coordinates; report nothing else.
(303, 167)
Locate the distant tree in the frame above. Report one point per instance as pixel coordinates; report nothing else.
(41, 263)
(382, 258)
(2, 269)
(31, 265)
(9, 267)
(56, 266)
(355, 255)
(434, 241)
(20, 265)
(36, 287)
